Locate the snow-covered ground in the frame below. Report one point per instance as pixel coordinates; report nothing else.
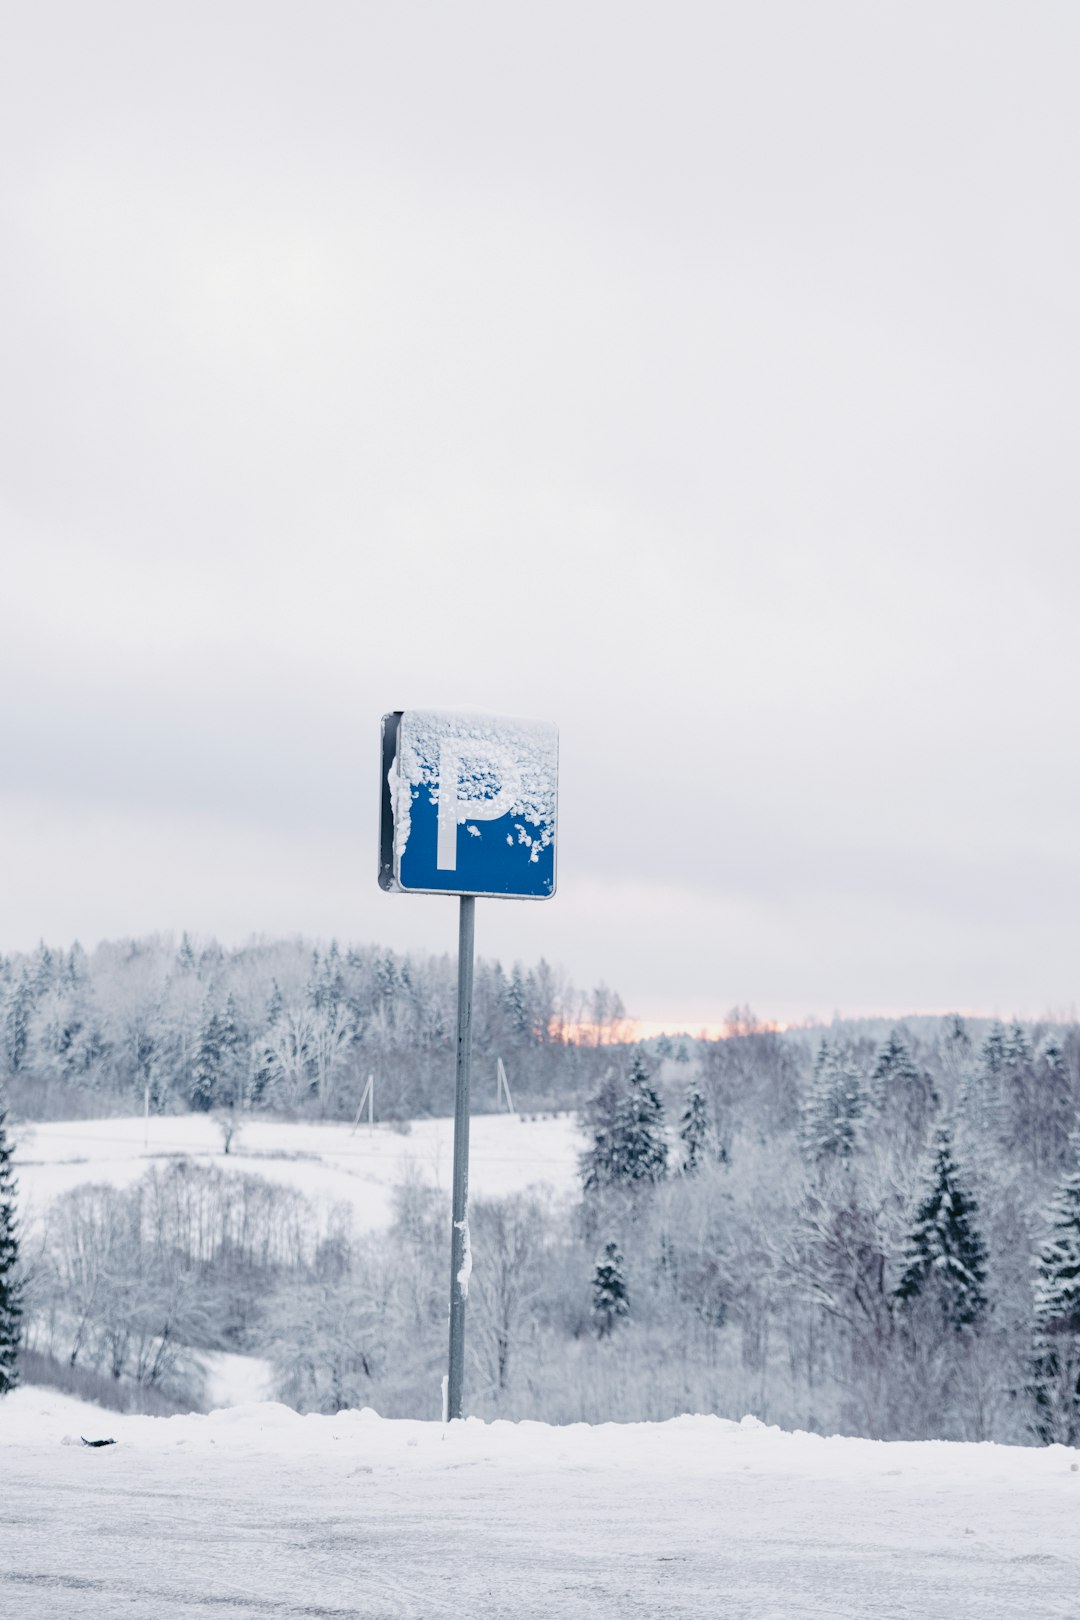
(329, 1163)
(233, 1380)
(259, 1512)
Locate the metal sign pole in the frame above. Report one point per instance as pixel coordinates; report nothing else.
(467, 807)
(460, 1251)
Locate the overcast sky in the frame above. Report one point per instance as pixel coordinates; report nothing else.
(702, 378)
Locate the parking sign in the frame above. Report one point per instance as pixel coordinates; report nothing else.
(468, 804)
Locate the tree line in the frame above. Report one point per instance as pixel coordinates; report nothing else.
(280, 1025)
(863, 1231)
(892, 1227)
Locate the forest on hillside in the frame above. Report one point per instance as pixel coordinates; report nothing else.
(284, 1026)
(856, 1229)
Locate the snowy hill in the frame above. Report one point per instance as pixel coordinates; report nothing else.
(366, 1517)
(328, 1163)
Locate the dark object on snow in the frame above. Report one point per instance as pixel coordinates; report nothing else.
(87, 1442)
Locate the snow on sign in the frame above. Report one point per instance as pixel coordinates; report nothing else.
(468, 804)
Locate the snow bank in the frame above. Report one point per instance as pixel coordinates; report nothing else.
(700, 1445)
(262, 1511)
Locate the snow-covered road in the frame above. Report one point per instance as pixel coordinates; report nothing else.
(257, 1512)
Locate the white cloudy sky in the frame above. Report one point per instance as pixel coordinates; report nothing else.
(700, 377)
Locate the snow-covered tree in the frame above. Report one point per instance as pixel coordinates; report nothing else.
(326, 984)
(235, 1055)
(834, 1107)
(517, 1005)
(945, 1258)
(206, 1069)
(641, 1145)
(508, 1237)
(1056, 1381)
(287, 1055)
(75, 968)
(330, 1037)
(275, 1005)
(983, 1089)
(20, 1003)
(629, 1145)
(1039, 1110)
(902, 1093)
(10, 1284)
(1054, 1106)
(610, 1299)
(694, 1128)
(42, 969)
(893, 1068)
(994, 1052)
(1017, 1046)
(954, 1033)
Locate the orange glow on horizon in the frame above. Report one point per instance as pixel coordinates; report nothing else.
(626, 1031)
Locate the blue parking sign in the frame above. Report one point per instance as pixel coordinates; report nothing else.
(468, 804)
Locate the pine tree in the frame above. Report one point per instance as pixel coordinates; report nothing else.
(185, 956)
(206, 1069)
(1053, 1105)
(76, 968)
(954, 1033)
(694, 1128)
(1017, 1046)
(1056, 1361)
(834, 1106)
(20, 1003)
(610, 1300)
(42, 969)
(333, 979)
(642, 1144)
(600, 1115)
(386, 977)
(945, 1257)
(10, 1285)
(903, 1094)
(994, 1051)
(1051, 1055)
(275, 1006)
(232, 1039)
(517, 1005)
(629, 1145)
(894, 1068)
(985, 1096)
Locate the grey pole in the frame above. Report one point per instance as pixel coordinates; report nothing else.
(459, 1239)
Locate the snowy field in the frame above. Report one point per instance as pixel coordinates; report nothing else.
(257, 1512)
(328, 1163)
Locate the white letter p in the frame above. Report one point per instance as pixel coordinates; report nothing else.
(494, 762)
